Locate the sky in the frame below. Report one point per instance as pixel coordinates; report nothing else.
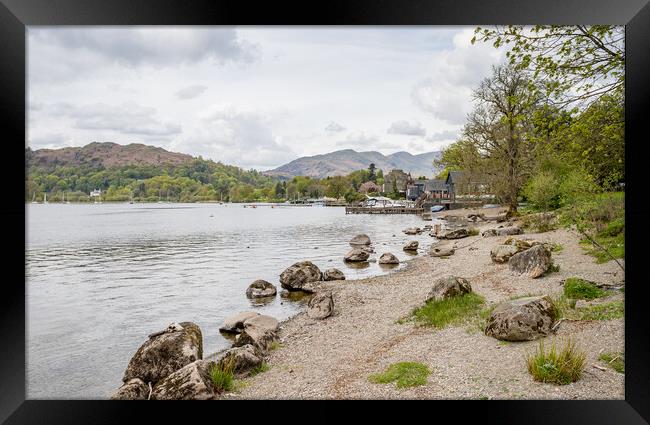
(255, 97)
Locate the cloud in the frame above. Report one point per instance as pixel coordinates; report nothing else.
(443, 135)
(134, 46)
(128, 118)
(190, 92)
(334, 127)
(236, 136)
(358, 139)
(47, 140)
(407, 129)
(446, 94)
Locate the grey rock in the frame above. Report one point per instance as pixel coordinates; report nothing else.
(388, 258)
(412, 231)
(241, 359)
(361, 239)
(321, 305)
(508, 231)
(259, 331)
(165, 353)
(235, 324)
(441, 252)
(356, 255)
(191, 382)
(333, 274)
(450, 286)
(532, 262)
(298, 274)
(261, 288)
(453, 234)
(502, 253)
(523, 319)
(135, 389)
(489, 232)
(411, 246)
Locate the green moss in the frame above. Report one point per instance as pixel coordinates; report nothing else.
(452, 310)
(614, 360)
(405, 374)
(581, 289)
(555, 367)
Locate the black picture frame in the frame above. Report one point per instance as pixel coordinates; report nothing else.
(15, 15)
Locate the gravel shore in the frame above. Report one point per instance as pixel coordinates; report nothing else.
(333, 358)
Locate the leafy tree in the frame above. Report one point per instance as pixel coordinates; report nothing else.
(371, 171)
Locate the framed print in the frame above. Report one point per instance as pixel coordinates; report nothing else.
(418, 201)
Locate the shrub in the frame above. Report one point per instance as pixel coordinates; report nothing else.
(543, 191)
(223, 375)
(614, 360)
(555, 367)
(580, 289)
(450, 310)
(406, 374)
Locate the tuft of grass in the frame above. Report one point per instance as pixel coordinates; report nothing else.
(580, 289)
(222, 375)
(473, 231)
(452, 310)
(606, 311)
(614, 360)
(274, 345)
(262, 367)
(557, 247)
(555, 367)
(405, 374)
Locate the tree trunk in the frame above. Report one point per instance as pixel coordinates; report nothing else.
(512, 183)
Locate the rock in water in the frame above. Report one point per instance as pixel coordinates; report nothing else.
(261, 288)
(411, 246)
(447, 287)
(453, 234)
(356, 255)
(388, 258)
(135, 389)
(502, 253)
(235, 324)
(191, 382)
(298, 274)
(259, 331)
(165, 353)
(333, 274)
(441, 252)
(321, 305)
(523, 319)
(361, 239)
(241, 359)
(532, 262)
(412, 231)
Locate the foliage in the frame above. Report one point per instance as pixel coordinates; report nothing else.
(539, 222)
(576, 62)
(581, 289)
(405, 374)
(222, 375)
(262, 367)
(614, 360)
(605, 311)
(555, 367)
(451, 310)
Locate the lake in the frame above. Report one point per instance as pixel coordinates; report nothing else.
(101, 277)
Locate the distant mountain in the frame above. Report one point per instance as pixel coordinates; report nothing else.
(106, 155)
(343, 162)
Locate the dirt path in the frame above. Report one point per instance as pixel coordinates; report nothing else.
(333, 358)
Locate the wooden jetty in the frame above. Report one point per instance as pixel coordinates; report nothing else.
(383, 210)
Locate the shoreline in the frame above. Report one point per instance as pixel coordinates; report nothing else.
(332, 358)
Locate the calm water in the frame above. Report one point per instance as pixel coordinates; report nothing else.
(101, 277)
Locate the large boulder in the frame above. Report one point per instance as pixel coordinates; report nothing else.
(260, 331)
(411, 246)
(165, 352)
(450, 286)
(361, 239)
(453, 233)
(522, 319)
(241, 359)
(356, 255)
(388, 258)
(298, 274)
(441, 252)
(412, 231)
(532, 262)
(191, 382)
(135, 389)
(235, 324)
(333, 274)
(321, 305)
(261, 288)
(502, 253)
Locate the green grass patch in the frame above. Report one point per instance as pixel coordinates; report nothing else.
(274, 345)
(614, 360)
(557, 247)
(580, 289)
(405, 374)
(615, 245)
(452, 310)
(605, 311)
(222, 376)
(557, 367)
(262, 367)
(473, 231)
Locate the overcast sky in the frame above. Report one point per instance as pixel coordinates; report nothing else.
(256, 97)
